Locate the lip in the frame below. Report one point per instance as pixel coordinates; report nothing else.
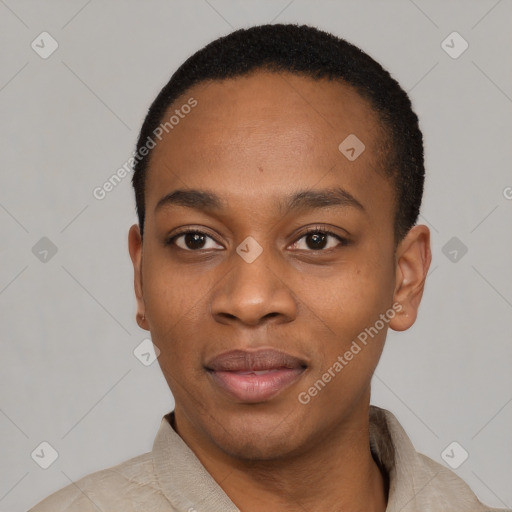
(255, 376)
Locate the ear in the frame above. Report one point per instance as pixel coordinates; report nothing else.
(413, 257)
(135, 248)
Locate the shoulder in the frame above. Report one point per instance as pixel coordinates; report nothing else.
(125, 487)
(448, 489)
(417, 482)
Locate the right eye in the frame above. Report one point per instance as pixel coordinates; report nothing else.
(192, 240)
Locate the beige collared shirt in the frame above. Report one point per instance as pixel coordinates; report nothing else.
(170, 478)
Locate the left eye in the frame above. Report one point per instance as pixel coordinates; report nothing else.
(318, 239)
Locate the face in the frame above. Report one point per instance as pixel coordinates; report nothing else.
(266, 254)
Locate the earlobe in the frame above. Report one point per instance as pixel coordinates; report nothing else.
(413, 257)
(135, 249)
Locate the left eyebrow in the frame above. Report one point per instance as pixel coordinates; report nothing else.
(324, 198)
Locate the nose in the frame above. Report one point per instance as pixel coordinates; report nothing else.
(254, 293)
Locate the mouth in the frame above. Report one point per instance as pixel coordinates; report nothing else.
(255, 376)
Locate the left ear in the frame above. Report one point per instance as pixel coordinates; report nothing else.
(413, 257)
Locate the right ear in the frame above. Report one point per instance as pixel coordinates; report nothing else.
(135, 248)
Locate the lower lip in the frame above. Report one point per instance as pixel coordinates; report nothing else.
(252, 388)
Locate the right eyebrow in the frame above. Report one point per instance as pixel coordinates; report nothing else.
(192, 198)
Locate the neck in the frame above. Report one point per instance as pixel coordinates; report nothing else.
(337, 473)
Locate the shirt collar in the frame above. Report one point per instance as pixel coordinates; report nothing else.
(183, 479)
(188, 486)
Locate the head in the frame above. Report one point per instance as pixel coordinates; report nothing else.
(278, 179)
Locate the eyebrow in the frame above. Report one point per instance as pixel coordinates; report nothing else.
(302, 200)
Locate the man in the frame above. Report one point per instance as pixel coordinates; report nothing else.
(278, 180)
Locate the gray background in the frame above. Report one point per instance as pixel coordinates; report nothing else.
(68, 373)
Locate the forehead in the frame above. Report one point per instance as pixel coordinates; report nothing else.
(268, 130)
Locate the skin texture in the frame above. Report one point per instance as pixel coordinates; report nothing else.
(253, 141)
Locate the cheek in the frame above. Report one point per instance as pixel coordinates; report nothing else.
(172, 293)
(350, 305)
(352, 297)
(176, 303)
(346, 358)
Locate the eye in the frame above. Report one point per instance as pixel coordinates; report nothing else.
(319, 239)
(193, 240)
(315, 239)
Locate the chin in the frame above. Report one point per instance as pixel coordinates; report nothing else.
(258, 439)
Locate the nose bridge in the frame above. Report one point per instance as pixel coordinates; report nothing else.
(254, 288)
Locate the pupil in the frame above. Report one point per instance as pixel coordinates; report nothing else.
(318, 240)
(191, 240)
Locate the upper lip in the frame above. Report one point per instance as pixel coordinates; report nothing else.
(244, 360)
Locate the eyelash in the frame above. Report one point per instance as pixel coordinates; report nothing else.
(320, 230)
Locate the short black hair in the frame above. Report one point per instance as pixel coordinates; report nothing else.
(313, 53)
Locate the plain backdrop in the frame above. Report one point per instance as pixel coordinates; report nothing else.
(69, 376)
